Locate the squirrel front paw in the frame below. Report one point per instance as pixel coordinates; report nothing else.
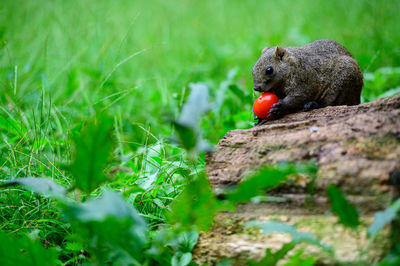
(276, 108)
(310, 106)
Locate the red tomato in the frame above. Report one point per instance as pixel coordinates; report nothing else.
(263, 104)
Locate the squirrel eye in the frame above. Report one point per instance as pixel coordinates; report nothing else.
(269, 70)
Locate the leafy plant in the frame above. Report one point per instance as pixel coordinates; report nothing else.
(92, 149)
(267, 178)
(25, 251)
(384, 82)
(195, 207)
(340, 206)
(384, 217)
(108, 228)
(187, 126)
(43, 186)
(272, 258)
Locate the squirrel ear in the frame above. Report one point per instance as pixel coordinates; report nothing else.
(265, 49)
(279, 52)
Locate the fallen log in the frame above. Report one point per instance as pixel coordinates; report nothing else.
(355, 147)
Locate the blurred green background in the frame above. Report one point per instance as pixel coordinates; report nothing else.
(137, 57)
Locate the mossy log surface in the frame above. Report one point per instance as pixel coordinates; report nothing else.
(356, 148)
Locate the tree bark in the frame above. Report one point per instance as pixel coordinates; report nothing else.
(356, 148)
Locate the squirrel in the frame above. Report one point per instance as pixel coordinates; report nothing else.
(315, 75)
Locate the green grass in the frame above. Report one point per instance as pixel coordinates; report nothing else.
(63, 61)
(136, 58)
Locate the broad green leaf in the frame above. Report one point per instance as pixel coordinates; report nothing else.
(187, 135)
(195, 206)
(382, 218)
(203, 145)
(187, 240)
(110, 229)
(43, 186)
(265, 179)
(109, 204)
(269, 227)
(184, 241)
(187, 126)
(24, 251)
(196, 105)
(92, 150)
(74, 246)
(177, 242)
(181, 259)
(340, 206)
(221, 95)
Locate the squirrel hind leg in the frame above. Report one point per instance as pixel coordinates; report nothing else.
(311, 105)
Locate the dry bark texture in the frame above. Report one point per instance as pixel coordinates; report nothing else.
(356, 147)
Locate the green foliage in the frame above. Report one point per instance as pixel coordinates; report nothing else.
(43, 186)
(384, 82)
(92, 149)
(187, 136)
(195, 106)
(187, 126)
(185, 241)
(195, 207)
(272, 258)
(169, 247)
(110, 228)
(12, 126)
(384, 217)
(181, 259)
(267, 178)
(298, 260)
(108, 204)
(264, 179)
(346, 212)
(25, 251)
(297, 237)
(391, 259)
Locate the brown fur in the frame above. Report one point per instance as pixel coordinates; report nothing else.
(322, 73)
